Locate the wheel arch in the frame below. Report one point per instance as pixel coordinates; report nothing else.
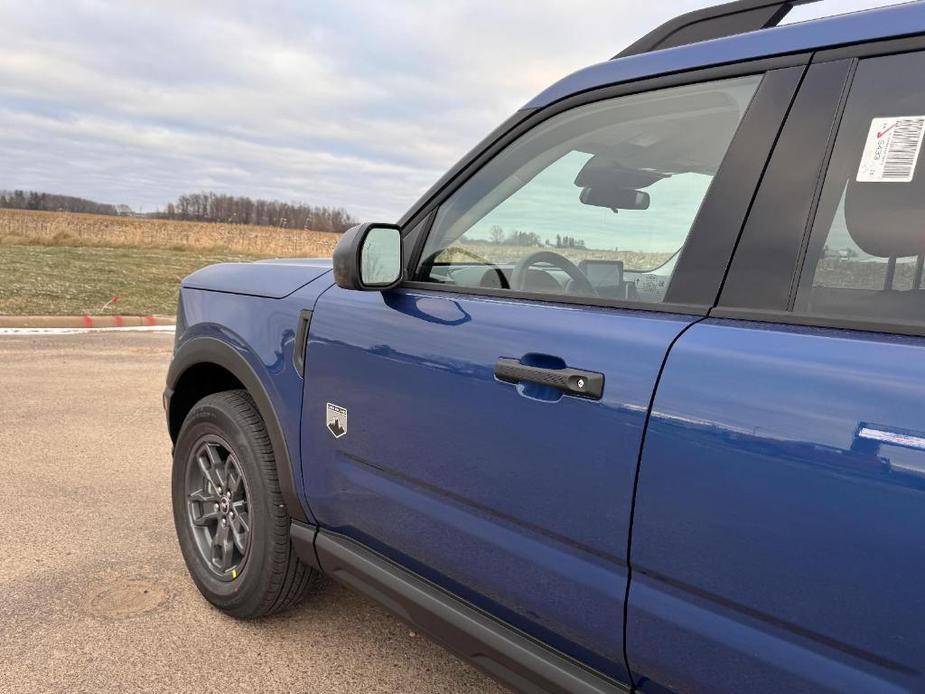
(206, 365)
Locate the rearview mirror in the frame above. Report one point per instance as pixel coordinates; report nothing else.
(615, 198)
(605, 183)
(369, 257)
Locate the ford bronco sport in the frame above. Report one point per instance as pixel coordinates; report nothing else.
(632, 399)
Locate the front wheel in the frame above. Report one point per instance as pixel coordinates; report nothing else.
(232, 523)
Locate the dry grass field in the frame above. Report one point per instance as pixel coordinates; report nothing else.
(24, 227)
(65, 264)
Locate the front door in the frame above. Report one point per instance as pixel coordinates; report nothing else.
(482, 424)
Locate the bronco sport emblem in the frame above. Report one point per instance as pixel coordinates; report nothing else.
(336, 420)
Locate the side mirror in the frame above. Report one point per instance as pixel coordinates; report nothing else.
(368, 257)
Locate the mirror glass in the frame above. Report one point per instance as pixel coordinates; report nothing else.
(380, 257)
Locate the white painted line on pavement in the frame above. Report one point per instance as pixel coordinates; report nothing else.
(78, 331)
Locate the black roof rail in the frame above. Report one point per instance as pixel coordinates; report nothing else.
(712, 23)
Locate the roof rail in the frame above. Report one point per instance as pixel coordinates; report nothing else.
(712, 23)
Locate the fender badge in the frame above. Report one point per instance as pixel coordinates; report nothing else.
(336, 420)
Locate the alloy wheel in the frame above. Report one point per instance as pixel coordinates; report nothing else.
(217, 507)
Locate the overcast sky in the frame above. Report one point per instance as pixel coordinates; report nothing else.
(352, 103)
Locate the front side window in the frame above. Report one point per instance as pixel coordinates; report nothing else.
(595, 202)
(867, 245)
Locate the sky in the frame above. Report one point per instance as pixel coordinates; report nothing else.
(349, 103)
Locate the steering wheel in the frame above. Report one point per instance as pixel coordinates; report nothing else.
(519, 273)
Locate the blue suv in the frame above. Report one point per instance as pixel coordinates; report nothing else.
(632, 399)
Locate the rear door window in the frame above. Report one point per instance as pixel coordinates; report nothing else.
(866, 249)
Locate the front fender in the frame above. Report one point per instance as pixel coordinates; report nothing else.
(256, 341)
(236, 361)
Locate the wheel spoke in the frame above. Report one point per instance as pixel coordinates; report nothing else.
(208, 472)
(220, 467)
(232, 476)
(208, 513)
(204, 496)
(243, 522)
(240, 529)
(223, 547)
(215, 459)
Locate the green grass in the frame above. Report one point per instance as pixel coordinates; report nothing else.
(63, 280)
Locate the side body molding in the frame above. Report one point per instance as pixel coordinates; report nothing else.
(506, 654)
(209, 350)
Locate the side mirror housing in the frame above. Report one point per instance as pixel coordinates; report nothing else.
(368, 257)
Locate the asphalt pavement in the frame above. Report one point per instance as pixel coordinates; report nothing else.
(94, 595)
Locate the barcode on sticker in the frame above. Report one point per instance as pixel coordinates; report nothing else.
(904, 149)
(892, 150)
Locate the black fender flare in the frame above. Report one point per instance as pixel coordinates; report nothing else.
(210, 350)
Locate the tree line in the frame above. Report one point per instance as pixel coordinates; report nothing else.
(498, 235)
(198, 207)
(232, 209)
(50, 202)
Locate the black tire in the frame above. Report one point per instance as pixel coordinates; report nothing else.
(261, 573)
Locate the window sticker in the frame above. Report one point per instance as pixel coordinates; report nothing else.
(891, 150)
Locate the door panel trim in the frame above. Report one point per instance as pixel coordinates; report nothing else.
(684, 309)
(787, 318)
(768, 252)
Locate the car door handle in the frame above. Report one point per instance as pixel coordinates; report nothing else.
(585, 384)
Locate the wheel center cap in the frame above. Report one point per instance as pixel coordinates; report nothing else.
(223, 505)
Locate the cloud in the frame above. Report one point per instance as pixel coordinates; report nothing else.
(348, 102)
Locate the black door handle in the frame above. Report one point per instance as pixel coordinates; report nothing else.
(585, 384)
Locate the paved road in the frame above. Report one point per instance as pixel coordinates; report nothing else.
(94, 595)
